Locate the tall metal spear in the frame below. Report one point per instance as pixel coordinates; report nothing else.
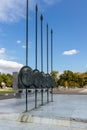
(26, 44)
(36, 9)
(51, 61)
(41, 18)
(47, 64)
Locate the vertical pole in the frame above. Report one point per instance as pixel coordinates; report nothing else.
(36, 37)
(51, 50)
(35, 98)
(47, 65)
(51, 62)
(26, 101)
(47, 49)
(41, 18)
(36, 9)
(26, 44)
(41, 42)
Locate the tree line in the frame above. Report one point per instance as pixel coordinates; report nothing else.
(70, 79)
(66, 79)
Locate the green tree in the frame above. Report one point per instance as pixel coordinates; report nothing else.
(66, 78)
(55, 75)
(9, 80)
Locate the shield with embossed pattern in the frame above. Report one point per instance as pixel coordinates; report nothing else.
(25, 77)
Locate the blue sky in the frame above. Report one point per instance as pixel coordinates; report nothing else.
(67, 18)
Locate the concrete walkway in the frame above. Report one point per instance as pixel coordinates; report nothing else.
(7, 125)
(68, 112)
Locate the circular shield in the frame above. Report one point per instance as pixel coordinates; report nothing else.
(52, 82)
(26, 76)
(48, 80)
(20, 85)
(43, 80)
(36, 79)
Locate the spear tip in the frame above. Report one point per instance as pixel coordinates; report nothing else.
(41, 17)
(36, 7)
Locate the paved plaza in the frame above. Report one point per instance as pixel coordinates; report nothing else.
(67, 112)
(6, 125)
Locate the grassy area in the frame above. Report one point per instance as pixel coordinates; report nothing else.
(6, 90)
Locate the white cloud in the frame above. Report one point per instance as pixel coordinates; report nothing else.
(51, 1)
(24, 46)
(2, 50)
(6, 55)
(18, 41)
(60, 72)
(70, 52)
(9, 66)
(11, 10)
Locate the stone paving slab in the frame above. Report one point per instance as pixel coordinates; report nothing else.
(67, 106)
(66, 110)
(17, 105)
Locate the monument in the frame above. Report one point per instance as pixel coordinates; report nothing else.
(27, 78)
